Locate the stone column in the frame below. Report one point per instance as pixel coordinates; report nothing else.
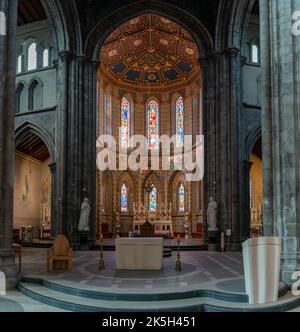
(62, 142)
(280, 53)
(89, 139)
(54, 224)
(8, 24)
(224, 178)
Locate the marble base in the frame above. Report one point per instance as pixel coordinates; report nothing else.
(84, 241)
(213, 240)
(10, 269)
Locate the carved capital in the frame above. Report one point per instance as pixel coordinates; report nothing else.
(232, 51)
(95, 64)
(65, 56)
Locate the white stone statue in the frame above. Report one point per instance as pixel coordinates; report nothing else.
(212, 215)
(83, 225)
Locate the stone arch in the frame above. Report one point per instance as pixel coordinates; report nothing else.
(152, 179)
(35, 83)
(27, 127)
(64, 19)
(232, 21)
(21, 101)
(176, 180)
(251, 139)
(106, 26)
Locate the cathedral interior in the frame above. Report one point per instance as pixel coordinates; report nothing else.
(79, 70)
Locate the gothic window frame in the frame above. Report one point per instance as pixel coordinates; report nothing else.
(254, 43)
(21, 88)
(180, 185)
(177, 98)
(33, 84)
(46, 49)
(29, 57)
(148, 121)
(130, 118)
(127, 199)
(149, 198)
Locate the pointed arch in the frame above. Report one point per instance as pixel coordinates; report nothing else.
(190, 22)
(35, 94)
(32, 58)
(29, 127)
(153, 181)
(21, 97)
(234, 15)
(181, 198)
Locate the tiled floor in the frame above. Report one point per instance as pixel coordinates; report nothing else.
(198, 267)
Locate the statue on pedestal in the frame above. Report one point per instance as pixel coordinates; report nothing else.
(83, 225)
(212, 215)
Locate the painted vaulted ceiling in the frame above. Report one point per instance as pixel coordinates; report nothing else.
(150, 52)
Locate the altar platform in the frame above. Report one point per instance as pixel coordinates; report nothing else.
(208, 282)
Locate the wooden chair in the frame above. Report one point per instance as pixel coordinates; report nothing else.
(60, 255)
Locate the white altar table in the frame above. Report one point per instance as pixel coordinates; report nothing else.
(139, 253)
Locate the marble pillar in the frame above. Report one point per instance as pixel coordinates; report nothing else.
(280, 53)
(9, 10)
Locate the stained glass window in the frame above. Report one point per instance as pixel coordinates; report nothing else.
(153, 124)
(181, 198)
(124, 198)
(179, 122)
(153, 200)
(125, 118)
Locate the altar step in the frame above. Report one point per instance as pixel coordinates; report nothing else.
(82, 300)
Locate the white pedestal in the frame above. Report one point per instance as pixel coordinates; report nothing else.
(262, 269)
(139, 253)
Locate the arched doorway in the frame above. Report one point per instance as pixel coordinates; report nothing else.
(256, 189)
(150, 84)
(33, 188)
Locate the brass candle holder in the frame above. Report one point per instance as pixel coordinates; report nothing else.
(101, 261)
(178, 262)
